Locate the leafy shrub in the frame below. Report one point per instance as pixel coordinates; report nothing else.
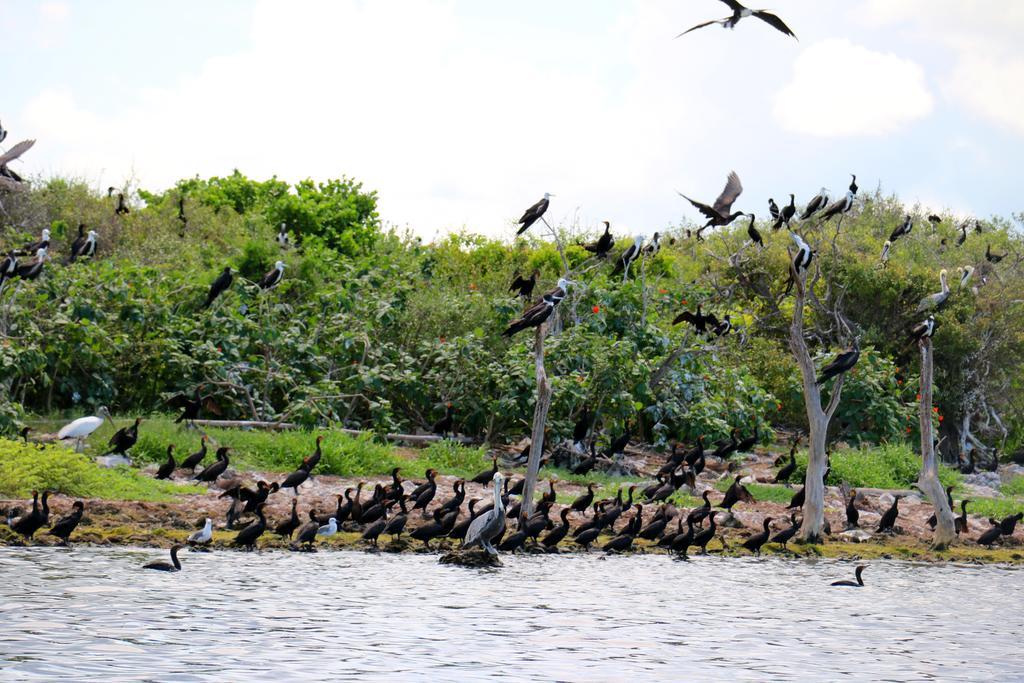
(889, 466)
(24, 468)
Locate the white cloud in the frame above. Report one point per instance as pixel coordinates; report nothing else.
(841, 89)
(451, 129)
(984, 38)
(992, 88)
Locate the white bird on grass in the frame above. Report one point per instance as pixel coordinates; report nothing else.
(81, 428)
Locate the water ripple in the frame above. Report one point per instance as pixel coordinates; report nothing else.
(93, 614)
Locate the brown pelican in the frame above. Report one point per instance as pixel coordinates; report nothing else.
(935, 300)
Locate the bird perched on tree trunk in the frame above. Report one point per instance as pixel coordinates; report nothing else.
(540, 311)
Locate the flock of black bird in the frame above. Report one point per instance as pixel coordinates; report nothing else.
(392, 507)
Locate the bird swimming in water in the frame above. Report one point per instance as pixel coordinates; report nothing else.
(173, 566)
(856, 584)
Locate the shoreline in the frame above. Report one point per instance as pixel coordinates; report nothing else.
(903, 547)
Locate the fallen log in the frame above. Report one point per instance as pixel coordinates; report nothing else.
(261, 424)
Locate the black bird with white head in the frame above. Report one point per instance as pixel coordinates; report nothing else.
(533, 214)
(741, 12)
(817, 203)
(272, 278)
(843, 205)
(627, 258)
(535, 315)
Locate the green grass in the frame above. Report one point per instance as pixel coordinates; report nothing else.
(995, 507)
(889, 466)
(265, 450)
(771, 492)
(1014, 487)
(451, 458)
(24, 468)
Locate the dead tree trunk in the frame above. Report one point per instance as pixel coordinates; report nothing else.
(540, 417)
(929, 478)
(817, 420)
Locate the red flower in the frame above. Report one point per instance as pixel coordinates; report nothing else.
(940, 418)
(663, 291)
(596, 309)
(935, 409)
(919, 397)
(908, 430)
(684, 302)
(472, 285)
(899, 382)
(441, 339)
(778, 406)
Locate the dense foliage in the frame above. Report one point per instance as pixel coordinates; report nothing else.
(378, 331)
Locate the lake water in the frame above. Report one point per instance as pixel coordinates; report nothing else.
(93, 614)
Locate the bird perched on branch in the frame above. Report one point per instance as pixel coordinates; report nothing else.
(741, 12)
(752, 232)
(818, 202)
(801, 260)
(991, 256)
(773, 209)
(220, 285)
(840, 364)
(902, 229)
(30, 270)
(843, 205)
(786, 215)
(34, 247)
(965, 276)
(719, 213)
(604, 243)
(524, 286)
(654, 245)
(533, 214)
(272, 278)
(938, 299)
(631, 254)
(84, 245)
(540, 311)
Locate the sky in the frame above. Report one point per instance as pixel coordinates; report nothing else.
(461, 114)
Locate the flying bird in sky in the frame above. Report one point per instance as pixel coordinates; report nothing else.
(740, 12)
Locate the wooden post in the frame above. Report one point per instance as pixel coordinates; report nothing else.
(928, 482)
(817, 420)
(540, 416)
